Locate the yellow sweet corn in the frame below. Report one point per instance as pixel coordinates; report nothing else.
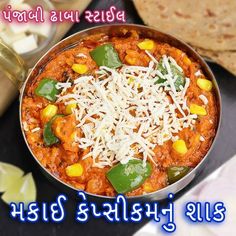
(180, 146)
(198, 110)
(187, 61)
(79, 68)
(73, 135)
(49, 111)
(70, 107)
(204, 84)
(131, 80)
(197, 138)
(147, 44)
(74, 170)
(130, 59)
(147, 187)
(178, 52)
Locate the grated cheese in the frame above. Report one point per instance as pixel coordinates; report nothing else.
(204, 99)
(198, 73)
(25, 126)
(120, 119)
(81, 55)
(202, 139)
(35, 129)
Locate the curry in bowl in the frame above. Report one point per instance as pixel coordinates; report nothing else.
(120, 114)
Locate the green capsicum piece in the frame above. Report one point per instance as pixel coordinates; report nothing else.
(47, 89)
(125, 178)
(49, 137)
(106, 55)
(160, 81)
(175, 173)
(180, 80)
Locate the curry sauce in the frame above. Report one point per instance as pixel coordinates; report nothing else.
(84, 147)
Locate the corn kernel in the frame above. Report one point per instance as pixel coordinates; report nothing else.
(131, 60)
(187, 61)
(74, 170)
(70, 107)
(178, 52)
(197, 137)
(180, 146)
(131, 80)
(198, 110)
(147, 187)
(79, 68)
(204, 84)
(49, 111)
(73, 135)
(147, 44)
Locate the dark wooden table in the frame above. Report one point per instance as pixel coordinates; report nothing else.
(13, 150)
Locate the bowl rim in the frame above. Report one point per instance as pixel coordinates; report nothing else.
(162, 191)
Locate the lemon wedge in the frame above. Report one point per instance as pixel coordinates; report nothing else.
(22, 190)
(8, 175)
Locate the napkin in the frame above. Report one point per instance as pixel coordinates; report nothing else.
(219, 186)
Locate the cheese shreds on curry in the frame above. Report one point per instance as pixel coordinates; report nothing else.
(120, 115)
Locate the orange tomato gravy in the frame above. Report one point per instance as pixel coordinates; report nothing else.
(93, 180)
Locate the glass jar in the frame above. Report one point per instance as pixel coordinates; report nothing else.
(13, 73)
(43, 41)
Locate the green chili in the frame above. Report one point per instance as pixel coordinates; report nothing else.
(106, 55)
(125, 178)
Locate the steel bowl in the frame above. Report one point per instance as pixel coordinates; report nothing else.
(117, 30)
